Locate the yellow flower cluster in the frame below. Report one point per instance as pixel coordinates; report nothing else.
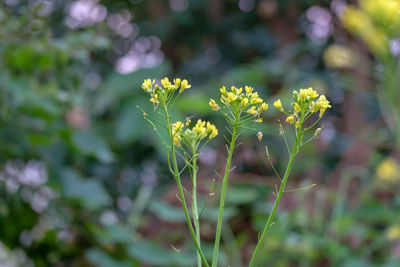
(305, 103)
(158, 93)
(240, 101)
(200, 130)
(375, 22)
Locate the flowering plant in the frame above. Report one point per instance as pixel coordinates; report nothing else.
(238, 107)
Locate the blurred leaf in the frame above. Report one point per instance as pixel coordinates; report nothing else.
(90, 193)
(115, 233)
(242, 195)
(167, 212)
(155, 255)
(92, 144)
(129, 124)
(102, 259)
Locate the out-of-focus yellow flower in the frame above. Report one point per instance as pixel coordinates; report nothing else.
(388, 170)
(278, 105)
(213, 105)
(384, 12)
(393, 233)
(340, 56)
(355, 20)
(358, 22)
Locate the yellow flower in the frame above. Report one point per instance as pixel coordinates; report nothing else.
(214, 133)
(255, 99)
(290, 119)
(184, 85)
(200, 128)
(148, 85)
(297, 108)
(252, 110)
(322, 104)
(248, 89)
(307, 94)
(244, 103)
(154, 99)
(177, 82)
(393, 233)
(213, 105)
(231, 97)
(264, 107)
(223, 90)
(278, 105)
(188, 121)
(166, 83)
(388, 170)
(211, 130)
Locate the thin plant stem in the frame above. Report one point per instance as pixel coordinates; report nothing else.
(223, 192)
(177, 177)
(194, 205)
(278, 197)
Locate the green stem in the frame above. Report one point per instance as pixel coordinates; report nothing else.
(278, 198)
(177, 177)
(194, 205)
(223, 192)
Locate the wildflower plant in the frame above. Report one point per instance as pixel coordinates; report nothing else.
(239, 108)
(182, 141)
(306, 103)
